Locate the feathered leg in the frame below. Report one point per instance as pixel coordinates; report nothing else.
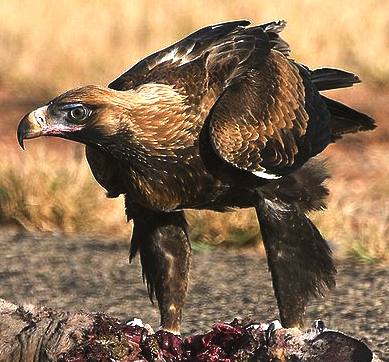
(299, 258)
(165, 254)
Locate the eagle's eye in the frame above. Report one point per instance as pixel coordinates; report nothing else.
(78, 113)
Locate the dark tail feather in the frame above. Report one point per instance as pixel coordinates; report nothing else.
(299, 257)
(343, 119)
(347, 120)
(330, 78)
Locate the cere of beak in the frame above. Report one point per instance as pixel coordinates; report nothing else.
(32, 125)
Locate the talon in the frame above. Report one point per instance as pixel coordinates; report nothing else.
(273, 326)
(319, 325)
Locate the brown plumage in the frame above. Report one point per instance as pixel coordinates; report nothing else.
(221, 119)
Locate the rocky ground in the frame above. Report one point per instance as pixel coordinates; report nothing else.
(76, 273)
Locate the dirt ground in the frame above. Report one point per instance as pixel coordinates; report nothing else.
(76, 273)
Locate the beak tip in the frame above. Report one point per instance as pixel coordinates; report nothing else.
(21, 144)
(20, 137)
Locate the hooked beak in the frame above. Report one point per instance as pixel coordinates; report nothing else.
(32, 125)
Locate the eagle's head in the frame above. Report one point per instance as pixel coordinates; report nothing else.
(88, 115)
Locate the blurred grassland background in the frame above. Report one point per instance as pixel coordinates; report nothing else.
(47, 47)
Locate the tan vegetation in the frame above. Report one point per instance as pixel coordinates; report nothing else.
(47, 47)
(51, 191)
(357, 219)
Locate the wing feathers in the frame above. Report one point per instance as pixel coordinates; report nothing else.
(185, 50)
(267, 103)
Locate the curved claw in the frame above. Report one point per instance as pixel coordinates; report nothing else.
(319, 325)
(273, 326)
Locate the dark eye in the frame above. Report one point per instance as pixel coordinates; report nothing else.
(78, 113)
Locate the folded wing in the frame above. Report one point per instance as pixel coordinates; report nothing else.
(260, 120)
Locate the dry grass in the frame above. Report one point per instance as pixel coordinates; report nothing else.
(234, 228)
(44, 190)
(55, 45)
(50, 46)
(357, 219)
